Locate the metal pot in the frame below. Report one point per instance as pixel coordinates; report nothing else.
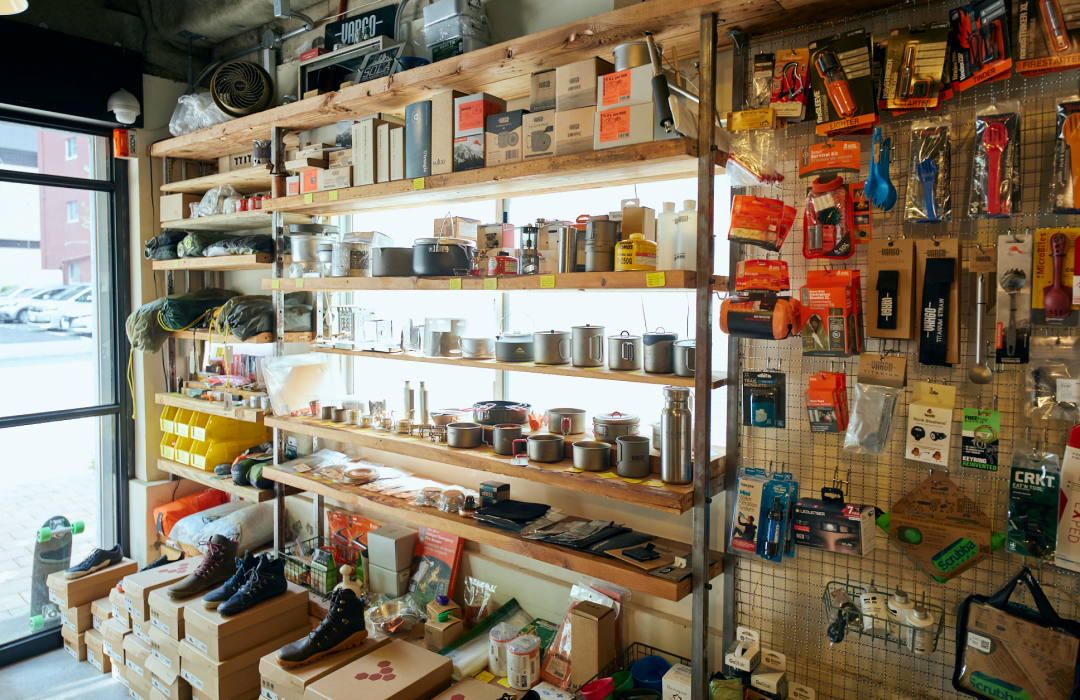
(464, 435)
(442, 257)
(447, 416)
(477, 348)
(305, 247)
(493, 412)
(624, 351)
(683, 351)
(350, 259)
(552, 347)
(503, 437)
(543, 448)
(392, 262)
(566, 421)
(441, 336)
(609, 426)
(632, 54)
(601, 237)
(587, 346)
(659, 352)
(592, 456)
(514, 347)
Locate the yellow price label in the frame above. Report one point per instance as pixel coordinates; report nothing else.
(484, 676)
(655, 279)
(333, 195)
(547, 281)
(176, 264)
(455, 283)
(491, 283)
(275, 284)
(574, 470)
(300, 283)
(632, 481)
(654, 482)
(418, 183)
(607, 475)
(504, 682)
(309, 198)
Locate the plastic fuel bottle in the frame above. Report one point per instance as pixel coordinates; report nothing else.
(686, 248)
(667, 237)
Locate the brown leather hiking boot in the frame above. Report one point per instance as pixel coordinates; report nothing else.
(217, 567)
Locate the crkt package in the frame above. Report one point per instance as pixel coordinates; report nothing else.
(1033, 503)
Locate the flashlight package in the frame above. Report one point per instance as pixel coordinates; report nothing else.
(1064, 187)
(760, 221)
(880, 385)
(995, 182)
(841, 73)
(928, 195)
(1033, 503)
(764, 395)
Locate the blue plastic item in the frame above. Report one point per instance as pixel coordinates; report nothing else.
(649, 672)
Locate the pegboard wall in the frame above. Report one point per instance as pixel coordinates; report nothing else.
(783, 601)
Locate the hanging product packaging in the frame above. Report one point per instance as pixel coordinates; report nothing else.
(1064, 185)
(891, 302)
(775, 535)
(761, 82)
(747, 517)
(764, 399)
(881, 382)
(757, 311)
(1067, 555)
(1048, 40)
(843, 84)
(834, 525)
(760, 221)
(826, 161)
(937, 288)
(828, 222)
(1052, 381)
(930, 423)
(928, 193)
(995, 181)
(755, 146)
(830, 313)
(1013, 329)
(980, 43)
(1033, 503)
(790, 86)
(743, 654)
(1006, 650)
(979, 439)
(1053, 288)
(826, 402)
(914, 60)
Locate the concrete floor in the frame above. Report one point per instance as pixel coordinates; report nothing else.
(57, 676)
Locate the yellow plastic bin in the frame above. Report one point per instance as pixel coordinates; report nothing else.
(183, 450)
(180, 423)
(207, 455)
(168, 417)
(168, 451)
(197, 425)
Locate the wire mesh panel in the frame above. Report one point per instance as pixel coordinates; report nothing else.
(784, 601)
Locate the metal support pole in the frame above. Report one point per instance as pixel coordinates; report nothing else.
(702, 668)
(277, 225)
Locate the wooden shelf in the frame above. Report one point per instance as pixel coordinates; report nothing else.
(639, 376)
(648, 493)
(505, 69)
(244, 181)
(221, 483)
(626, 165)
(238, 221)
(608, 569)
(206, 335)
(231, 389)
(214, 408)
(222, 263)
(674, 280)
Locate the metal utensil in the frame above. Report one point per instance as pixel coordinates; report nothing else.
(1012, 282)
(979, 372)
(1057, 298)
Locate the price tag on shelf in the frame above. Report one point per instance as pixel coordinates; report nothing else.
(300, 283)
(547, 281)
(607, 475)
(504, 682)
(655, 279)
(418, 183)
(309, 198)
(484, 676)
(176, 264)
(574, 470)
(654, 482)
(275, 284)
(491, 283)
(333, 195)
(632, 481)
(455, 283)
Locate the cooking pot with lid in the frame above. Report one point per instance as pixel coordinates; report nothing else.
(442, 257)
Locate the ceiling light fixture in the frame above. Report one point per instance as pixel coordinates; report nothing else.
(13, 7)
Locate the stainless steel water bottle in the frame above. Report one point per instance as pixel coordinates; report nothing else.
(676, 437)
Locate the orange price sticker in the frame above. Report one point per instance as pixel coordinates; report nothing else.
(614, 124)
(616, 88)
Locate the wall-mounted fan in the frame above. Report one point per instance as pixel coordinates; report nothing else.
(240, 88)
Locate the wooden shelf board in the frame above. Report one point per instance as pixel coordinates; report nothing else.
(669, 498)
(233, 340)
(214, 408)
(238, 221)
(220, 263)
(247, 493)
(245, 181)
(674, 280)
(567, 370)
(231, 389)
(600, 567)
(646, 162)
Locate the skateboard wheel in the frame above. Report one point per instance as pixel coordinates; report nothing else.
(44, 534)
(77, 527)
(36, 623)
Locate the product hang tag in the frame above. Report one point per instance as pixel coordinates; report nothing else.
(930, 419)
(934, 312)
(882, 370)
(928, 250)
(979, 439)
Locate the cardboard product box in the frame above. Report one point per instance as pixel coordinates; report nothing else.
(165, 649)
(636, 219)
(85, 590)
(771, 684)
(397, 154)
(234, 677)
(472, 689)
(341, 159)
(302, 165)
(488, 237)
(365, 151)
(542, 91)
(290, 683)
(141, 629)
(235, 161)
(538, 134)
(336, 135)
(119, 607)
(835, 526)
(455, 227)
(167, 681)
(382, 153)
(743, 655)
(517, 103)
(623, 126)
(136, 652)
(575, 84)
(391, 547)
(676, 683)
(438, 635)
(78, 620)
(292, 185)
(418, 139)
(137, 587)
(441, 121)
(624, 88)
(309, 182)
(334, 178)
(95, 652)
(137, 688)
(574, 130)
(74, 644)
(388, 581)
(491, 492)
(177, 206)
(397, 671)
(221, 638)
(113, 632)
(118, 675)
(471, 113)
(100, 610)
(594, 638)
(167, 615)
(503, 138)
(830, 314)
(468, 152)
(434, 610)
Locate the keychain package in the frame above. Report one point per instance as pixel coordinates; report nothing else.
(754, 146)
(881, 381)
(828, 221)
(841, 73)
(928, 194)
(790, 85)
(764, 399)
(1064, 185)
(761, 84)
(979, 38)
(979, 439)
(756, 310)
(1033, 503)
(760, 221)
(995, 182)
(1053, 379)
(1048, 37)
(1013, 328)
(826, 402)
(914, 61)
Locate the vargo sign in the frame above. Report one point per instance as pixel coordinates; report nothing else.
(357, 28)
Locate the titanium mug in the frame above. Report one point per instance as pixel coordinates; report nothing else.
(587, 346)
(502, 438)
(632, 456)
(659, 351)
(624, 351)
(592, 456)
(566, 421)
(684, 358)
(542, 448)
(464, 435)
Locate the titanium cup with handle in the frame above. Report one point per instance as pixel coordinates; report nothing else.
(546, 449)
(592, 456)
(566, 421)
(659, 351)
(502, 438)
(624, 351)
(551, 347)
(464, 435)
(632, 456)
(684, 357)
(587, 346)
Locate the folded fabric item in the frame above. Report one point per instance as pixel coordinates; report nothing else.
(243, 245)
(193, 244)
(518, 511)
(246, 316)
(163, 246)
(601, 536)
(144, 331)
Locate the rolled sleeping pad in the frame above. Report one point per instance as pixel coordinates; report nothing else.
(760, 317)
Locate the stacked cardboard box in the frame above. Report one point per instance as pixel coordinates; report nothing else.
(575, 104)
(138, 587)
(390, 554)
(625, 114)
(136, 652)
(75, 598)
(100, 610)
(291, 683)
(395, 671)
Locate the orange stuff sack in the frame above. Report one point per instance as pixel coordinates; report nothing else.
(166, 516)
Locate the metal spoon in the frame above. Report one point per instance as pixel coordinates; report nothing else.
(1012, 282)
(979, 372)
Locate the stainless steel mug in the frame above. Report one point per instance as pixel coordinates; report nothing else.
(566, 421)
(587, 346)
(632, 456)
(545, 448)
(684, 358)
(624, 351)
(503, 436)
(568, 238)
(659, 352)
(676, 437)
(551, 347)
(592, 456)
(464, 435)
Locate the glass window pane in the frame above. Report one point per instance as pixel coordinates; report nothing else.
(32, 149)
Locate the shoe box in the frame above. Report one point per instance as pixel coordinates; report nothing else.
(113, 632)
(85, 590)
(95, 651)
(100, 610)
(166, 681)
(136, 652)
(397, 671)
(137, 587)
(235, 677)
(221, 638)
(167, 615)
(165, 649)
(290, 683)
(472, 689)
(118, 675)
(78, 620)
(119, 607)
(74, 643)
